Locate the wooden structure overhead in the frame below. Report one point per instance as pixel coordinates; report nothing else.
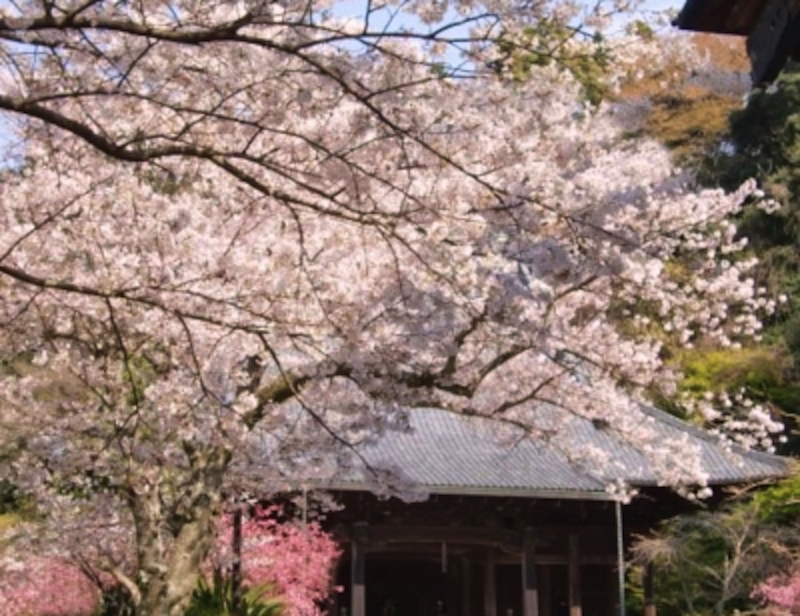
(772, 28)
(720, 16)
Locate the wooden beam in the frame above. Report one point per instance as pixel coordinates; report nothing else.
(545, 585)
(489, 585)
(574, 567)
(358, 588)
(466, 586)
(236, 566)
(437, 534)
(720, 16)
(772, 39)
(530, 586)
(469, 534)
(448, 588)
(555, 559)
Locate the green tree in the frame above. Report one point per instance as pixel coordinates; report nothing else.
(586, 56)
(763, 142)
(725, 142)
(710, 562)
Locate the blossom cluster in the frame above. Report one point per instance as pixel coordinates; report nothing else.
(294, 560)
(46, 587)
(780, 595)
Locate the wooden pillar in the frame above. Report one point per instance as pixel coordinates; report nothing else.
(611, 604)
(452, 583)
(466, 587)
(649, 594)
(236, 566)
(335, 605)
(489, 585)
(575, 608)
(620, 557)
(546, 591)
(358, 589)
(530, 585)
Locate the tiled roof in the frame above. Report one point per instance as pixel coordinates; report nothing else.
(447, 453)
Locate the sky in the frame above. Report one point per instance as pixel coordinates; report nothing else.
(658, 5)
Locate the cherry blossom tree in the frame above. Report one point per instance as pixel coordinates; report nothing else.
(780, 595)
(237, 239)
(290, 557)
(47, 587)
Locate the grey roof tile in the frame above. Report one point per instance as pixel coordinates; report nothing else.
(449, 453)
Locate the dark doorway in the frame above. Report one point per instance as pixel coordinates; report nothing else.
(398, 585)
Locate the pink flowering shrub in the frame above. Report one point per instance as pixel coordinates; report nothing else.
(46, 587)
(781, 594)
(296, 559)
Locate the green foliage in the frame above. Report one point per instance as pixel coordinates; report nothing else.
(116, 601)
(551, 42)
(688, 115)
(10, 498)
(439, 69)
(759, 370)
(138, 373)
(710, 562)
(8, 520)
(634, 589)
(689, 121)
(166, 182)
(14, 504)
(766, 374)
(763, 142)
(780, 503)
(726, 145)
(641, 29)
(216, 599)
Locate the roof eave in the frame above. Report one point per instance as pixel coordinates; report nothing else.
(554, 494)
(720, 16)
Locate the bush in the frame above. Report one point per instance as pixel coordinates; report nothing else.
(216, 599)
(711, 562)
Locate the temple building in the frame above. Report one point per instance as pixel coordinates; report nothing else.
(496, 526)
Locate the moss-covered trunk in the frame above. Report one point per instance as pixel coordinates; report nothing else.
(172, 542)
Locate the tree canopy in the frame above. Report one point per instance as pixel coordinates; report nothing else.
(239, 238)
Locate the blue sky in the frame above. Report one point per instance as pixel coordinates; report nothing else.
(663, 4)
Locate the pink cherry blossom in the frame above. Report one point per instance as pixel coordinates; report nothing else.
(47, 587)
(296, 560)
(780, 595)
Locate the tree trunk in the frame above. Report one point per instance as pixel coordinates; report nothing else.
(170, 554)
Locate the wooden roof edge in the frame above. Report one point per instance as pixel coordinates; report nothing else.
(427, 490)
(737, 17)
